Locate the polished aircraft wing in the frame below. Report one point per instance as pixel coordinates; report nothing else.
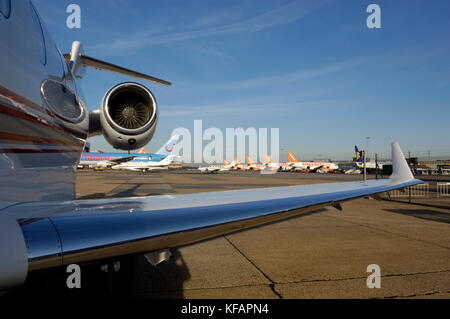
(59, 233)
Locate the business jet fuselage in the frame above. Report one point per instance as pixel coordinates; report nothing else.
(211, 169)
(145, 165)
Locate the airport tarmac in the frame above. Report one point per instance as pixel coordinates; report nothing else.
(321, 254)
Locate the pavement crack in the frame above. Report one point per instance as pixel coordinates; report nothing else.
(429, 293)
(272, 283)
(362, 277)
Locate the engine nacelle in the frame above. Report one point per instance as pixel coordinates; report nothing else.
(128, 116)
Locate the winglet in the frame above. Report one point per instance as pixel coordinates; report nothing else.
(400, 168)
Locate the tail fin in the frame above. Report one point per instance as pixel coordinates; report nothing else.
(267, 159)
(168, 148)
(249, 161)
(142, 151)
(358, 154)
(225, 162)
(236, 161)
(291, 157)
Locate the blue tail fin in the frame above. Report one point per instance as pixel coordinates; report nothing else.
(358, 155)
(168, 148)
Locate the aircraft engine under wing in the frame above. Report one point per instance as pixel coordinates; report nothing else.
(60, 233)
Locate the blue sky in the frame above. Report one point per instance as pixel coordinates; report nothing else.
(311, 68)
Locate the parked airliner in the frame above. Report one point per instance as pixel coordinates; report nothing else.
(310, 166)
(97, 159)
(370, 166)
(254, 166)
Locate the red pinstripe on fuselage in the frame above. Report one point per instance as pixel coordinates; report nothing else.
(22, 112)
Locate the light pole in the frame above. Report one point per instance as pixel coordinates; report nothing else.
(365, 151)
(367, 144)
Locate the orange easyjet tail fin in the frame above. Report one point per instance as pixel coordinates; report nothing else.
(236, 161)
(249, 161)
(142, 151)
(266, 159)
(225, 162)
(291, 157)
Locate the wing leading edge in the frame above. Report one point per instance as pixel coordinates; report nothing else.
(58, 233)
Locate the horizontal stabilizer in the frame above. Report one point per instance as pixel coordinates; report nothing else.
(106, 66)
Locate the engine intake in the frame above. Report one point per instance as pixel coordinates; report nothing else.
(128, 116)
(130, 107)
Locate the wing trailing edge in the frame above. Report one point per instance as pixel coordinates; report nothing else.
(77, 61)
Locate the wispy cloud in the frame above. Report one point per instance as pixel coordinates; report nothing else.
(283, 79)
(386, 60)
(283, 15)
(261, 104)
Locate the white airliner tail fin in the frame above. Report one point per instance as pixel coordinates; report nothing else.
(170, 145)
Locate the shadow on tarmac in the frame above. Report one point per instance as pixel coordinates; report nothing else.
(136, 279)
(426, 214)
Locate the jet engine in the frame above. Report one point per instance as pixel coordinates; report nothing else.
(127, 117)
